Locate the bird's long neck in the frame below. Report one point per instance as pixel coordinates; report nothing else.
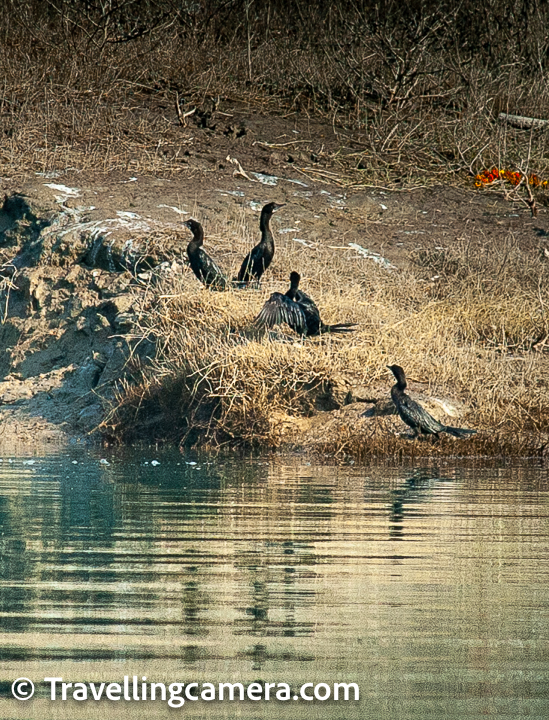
(400, 385)
(292, 291)
(198, 238)
(266, 234)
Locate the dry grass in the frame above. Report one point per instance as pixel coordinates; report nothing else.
(413, 93)
(414, 90)
(217, 380)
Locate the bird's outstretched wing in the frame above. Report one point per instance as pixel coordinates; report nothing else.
(281, 309)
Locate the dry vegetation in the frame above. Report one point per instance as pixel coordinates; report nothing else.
(471, 333)
(416, 87)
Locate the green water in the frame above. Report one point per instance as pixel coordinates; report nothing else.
(427, 587)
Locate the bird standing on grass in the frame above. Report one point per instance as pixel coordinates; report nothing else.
(201, 263)
(258, 260)
(414, 415)
(299, 311)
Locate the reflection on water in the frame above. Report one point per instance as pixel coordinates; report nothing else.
(426, 586)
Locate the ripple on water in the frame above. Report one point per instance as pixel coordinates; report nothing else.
(427, 586)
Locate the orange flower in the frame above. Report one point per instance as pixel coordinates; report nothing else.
(485, 177)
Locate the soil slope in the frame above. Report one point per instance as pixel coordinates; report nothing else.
(80, 250)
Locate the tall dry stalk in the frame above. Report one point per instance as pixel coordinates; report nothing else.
(470, 335)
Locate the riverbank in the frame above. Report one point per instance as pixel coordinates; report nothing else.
(102, 343)
(372, 124)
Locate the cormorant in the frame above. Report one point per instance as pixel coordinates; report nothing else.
(258, 260)
(202, 265)
(414, 415)
(298, 310)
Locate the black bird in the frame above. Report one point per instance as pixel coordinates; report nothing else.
(298, 310)
(258, 260)
(202, 265)
(414, 415)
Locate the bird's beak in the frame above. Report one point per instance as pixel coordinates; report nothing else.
(279, 205)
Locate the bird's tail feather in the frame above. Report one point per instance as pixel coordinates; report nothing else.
(458, 432)
(339, 328)
(243, 284)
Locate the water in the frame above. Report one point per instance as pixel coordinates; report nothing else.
(428, 587)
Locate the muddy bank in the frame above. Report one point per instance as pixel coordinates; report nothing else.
(85, 261)
(64, 343)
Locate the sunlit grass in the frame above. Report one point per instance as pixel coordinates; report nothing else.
(217, 379)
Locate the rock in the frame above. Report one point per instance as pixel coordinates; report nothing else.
(442, 409)
(123, 322)
(90, 416)
(382, 407)
(60, 335)
(116, 305)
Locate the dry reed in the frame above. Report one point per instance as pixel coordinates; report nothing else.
(413, 92)
(217, 380)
